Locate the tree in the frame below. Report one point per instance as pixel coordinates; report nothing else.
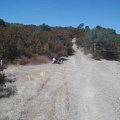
(2, 23)
(112, 31)
(98, 27)
(44, 27)
(101, 36)
(81, 25)
(87, 29)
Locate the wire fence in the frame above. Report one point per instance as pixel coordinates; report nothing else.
(109, 54)
(109, 51)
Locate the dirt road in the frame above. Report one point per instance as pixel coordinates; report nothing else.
(79, 89)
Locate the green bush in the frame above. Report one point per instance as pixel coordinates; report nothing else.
(2, 78)
(23, 60)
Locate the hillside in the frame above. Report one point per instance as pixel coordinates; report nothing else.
(79, 89)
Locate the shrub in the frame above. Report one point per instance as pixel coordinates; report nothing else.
(22, 60)
(7, 91)
(37, 59)
(2, 78)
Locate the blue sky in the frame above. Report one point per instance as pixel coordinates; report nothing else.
(105, 13)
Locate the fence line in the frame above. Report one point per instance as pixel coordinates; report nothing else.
(108, 51)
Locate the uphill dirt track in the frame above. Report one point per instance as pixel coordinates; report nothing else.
(79, 89)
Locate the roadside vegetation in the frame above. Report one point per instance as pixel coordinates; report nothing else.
(19, 43)
(31, 44)
(6, 90)
(101, 42)
(24, 44)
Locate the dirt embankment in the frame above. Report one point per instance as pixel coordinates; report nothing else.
(79, 89)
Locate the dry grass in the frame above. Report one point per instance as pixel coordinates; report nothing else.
(38, 60)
